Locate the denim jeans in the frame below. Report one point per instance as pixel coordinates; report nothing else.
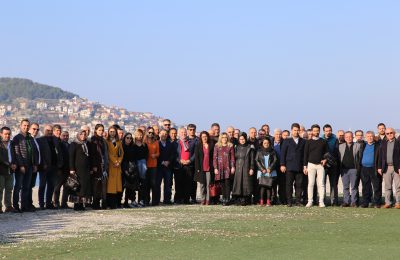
(164, 173)
(22, 187)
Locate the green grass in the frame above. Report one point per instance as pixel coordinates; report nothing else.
(233, 232)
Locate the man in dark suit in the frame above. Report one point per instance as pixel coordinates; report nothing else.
(389, 167)
(292, 155)
(7, 169)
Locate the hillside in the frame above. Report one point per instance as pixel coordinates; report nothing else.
(12, 88)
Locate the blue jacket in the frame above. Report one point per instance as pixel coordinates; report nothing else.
(292, 154)
(192, 144)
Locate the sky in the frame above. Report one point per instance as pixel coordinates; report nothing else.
(240, 63)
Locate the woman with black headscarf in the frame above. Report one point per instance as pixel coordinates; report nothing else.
(266, 160)
(244, 171)
(79, 164)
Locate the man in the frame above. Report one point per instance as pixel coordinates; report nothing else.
(266, 128)
(87, 130)
(65, 136)
(359, 134)
(309, 134)
(314, 162)
(254, 144)
(193, 141)
(63, 171)
(164, 167)
(349, 169)
(121, 133)
(174, 165)
(236, 134)
(7, 169)
(285, 134)
(231, 133)
(280, 185)
(156, 129)
(166, 125)
(215, 131)
(389, 167)
(34, 132)
(340, 136)
(292, 155)
(184, 176)
(381, 133)
(261, 135)
(52, 161)
(27, 158)
(332, 170)
(371, 180)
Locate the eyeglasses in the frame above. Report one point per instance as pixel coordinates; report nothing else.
(128, 138)
(191, 129)
(167, 124)
(150, 133)
(35, 129)
(390, 133)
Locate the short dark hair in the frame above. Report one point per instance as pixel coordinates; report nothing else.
(297, 125)
(57, 127)
(215, 124)
(381, 124)
(5, 128)
(285, 131)
(359, 131)
(117, 127)
(316, 126)
(25, 120)
(327, 126)
(191, 126)
(173, 128)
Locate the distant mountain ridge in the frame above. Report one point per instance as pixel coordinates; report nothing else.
(13, 88)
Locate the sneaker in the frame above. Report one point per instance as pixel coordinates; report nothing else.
(309, 204)
(397, 206)
(141, 204)
(268, 203)
(387, 206)
(134, 204)
(321, 205)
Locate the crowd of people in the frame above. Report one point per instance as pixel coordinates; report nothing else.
(114, 169)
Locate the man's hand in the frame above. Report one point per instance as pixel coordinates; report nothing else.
(380, 171)
(283, 169)
(233, 170)
(305, 170)
(251, 172)
(13, 167)
(323, 162)
(22, 169)
(216, 172)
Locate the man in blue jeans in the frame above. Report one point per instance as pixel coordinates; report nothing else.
(26, 155)
(349, 154)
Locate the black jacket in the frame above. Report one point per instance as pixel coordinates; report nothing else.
(382, 164)
(272, 162)
(21, 152)
(199, 174)
(167, 153)
(46, 153)
(4, 160)
(292, 154)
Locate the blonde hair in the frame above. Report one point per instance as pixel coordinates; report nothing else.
(219, 143)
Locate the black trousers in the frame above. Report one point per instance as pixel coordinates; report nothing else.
(193, 192)
(151, 186)
(295, 178)
(281, 183)
(226, 189)
(333, 175)
(372, 186)
(62, 177)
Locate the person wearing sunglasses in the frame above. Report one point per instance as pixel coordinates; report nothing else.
(389, 167)
(34, 132)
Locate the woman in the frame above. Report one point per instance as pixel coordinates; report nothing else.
(129, 171)
(99, 162)
(224, 165)
(115, 156)
(203, 164)
(266, 160)
(151, 177)
(79, 164)
(244, 171)
(140, 153)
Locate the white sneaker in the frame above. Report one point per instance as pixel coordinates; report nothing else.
(309, 204)
(322, 205)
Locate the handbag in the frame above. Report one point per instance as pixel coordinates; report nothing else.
(73, 183)
(215, 190)
(265, 181)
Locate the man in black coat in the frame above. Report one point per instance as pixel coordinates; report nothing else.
(51, 162)
(292, 155)
(7, 169)
(27, 159)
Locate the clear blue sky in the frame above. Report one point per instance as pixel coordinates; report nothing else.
(241, 63)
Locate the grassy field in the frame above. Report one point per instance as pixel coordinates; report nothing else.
(194, 232)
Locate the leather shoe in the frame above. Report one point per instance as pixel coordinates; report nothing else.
(397, 206)
(9, 209)
(387, 206)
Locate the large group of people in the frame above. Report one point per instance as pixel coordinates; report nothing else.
(164, 165)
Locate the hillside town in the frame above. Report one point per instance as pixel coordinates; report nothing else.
(72, 114)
